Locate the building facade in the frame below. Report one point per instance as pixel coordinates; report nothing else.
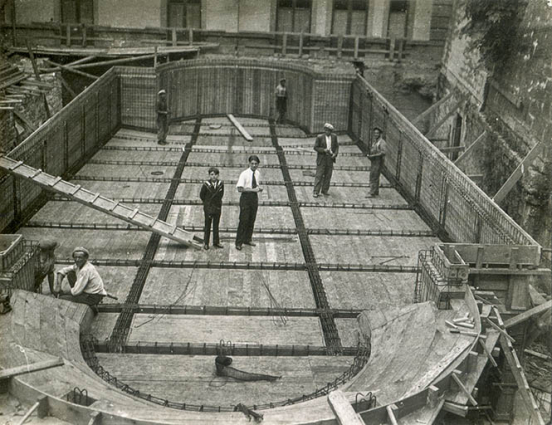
(417, 20)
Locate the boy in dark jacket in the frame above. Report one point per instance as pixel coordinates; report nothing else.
(211, 195)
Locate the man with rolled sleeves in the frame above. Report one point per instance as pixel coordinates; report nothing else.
(327, 147)
(248, 186)
(87, 286)
(162, 118)
(377, 159)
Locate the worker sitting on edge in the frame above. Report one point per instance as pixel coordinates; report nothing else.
(86, 284)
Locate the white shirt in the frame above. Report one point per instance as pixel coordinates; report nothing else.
(88, 279)
(246, 179)
(329, 142)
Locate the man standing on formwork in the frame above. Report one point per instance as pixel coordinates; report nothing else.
(327, 148)
(281, 101)
(162, 118)
(377, 158)
(248, 186)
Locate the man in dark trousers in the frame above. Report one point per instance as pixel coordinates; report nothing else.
(162, 118)
(327, 148)
(377, 159)
(248, 186)
(281, 101)
(211, 194)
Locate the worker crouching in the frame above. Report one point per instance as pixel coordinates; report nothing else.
(86, 285)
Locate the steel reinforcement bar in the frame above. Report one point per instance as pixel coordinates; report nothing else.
(121, 329)
(329, 327)
(321, 231)
(177, 201)
(213, 310)
(88, 349)
(245, 265)
(199, 181)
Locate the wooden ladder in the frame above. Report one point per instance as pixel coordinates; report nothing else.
(96, 201)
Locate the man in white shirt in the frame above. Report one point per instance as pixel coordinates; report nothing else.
(377, 154)
(86, 284)
(248, 186)
(327, 148)
(281, 101)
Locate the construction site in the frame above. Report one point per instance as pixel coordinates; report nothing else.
(427, 304)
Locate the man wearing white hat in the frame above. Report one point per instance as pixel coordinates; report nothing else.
(327, 148)
(86, 284)
(162, 118)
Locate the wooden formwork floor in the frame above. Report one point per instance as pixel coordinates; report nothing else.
(376, 280)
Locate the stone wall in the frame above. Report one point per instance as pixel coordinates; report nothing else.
(513, 104)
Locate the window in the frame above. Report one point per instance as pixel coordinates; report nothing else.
(77, 11)
(294, 16)
(349, 17)
(398, 14)
(184, 13)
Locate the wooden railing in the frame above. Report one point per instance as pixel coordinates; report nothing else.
(269, 43)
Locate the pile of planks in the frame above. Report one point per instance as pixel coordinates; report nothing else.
(10, 74)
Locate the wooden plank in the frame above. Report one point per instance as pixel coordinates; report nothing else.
(464, 154)
(342, 408)
(33, 367)
(432, 108)
(25, 121)
(456, 379)
(521, 380)
(70, 69)
(445, 118)
(240, 128)
(520, 318)
(518, 173)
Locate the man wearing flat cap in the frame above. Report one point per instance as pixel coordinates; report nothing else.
(377, 154)
(86, 284)
(162, 118)
(327, 148)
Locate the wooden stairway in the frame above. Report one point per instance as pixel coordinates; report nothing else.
(96, 201)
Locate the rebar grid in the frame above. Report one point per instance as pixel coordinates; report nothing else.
(121, 329)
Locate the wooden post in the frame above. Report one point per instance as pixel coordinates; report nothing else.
(340, 46)
(443, 218)
(357, 39)
(155, 57)
(399, 157)
(391, 48)
(37, 76)
(84, 35)
(301, 44)
(401, 48)
(284, 44)
(191, 36)
(68, 35)
(13, 17)
(173, 33)
(419, 179)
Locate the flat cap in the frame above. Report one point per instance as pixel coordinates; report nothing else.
(328, 126)
(48, 245)
(162, 91)
(81, 249)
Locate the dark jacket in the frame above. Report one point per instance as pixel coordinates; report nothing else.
(320, 147)
(212, 197)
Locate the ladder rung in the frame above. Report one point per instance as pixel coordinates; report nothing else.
(56, 181)
(76, 189)
(95, 197)
(36, 173)
(14, 166)
(133, 214)
(114, 206)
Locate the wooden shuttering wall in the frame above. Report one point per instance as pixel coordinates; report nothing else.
(61, 145)
(445, 195)
(245, 87)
